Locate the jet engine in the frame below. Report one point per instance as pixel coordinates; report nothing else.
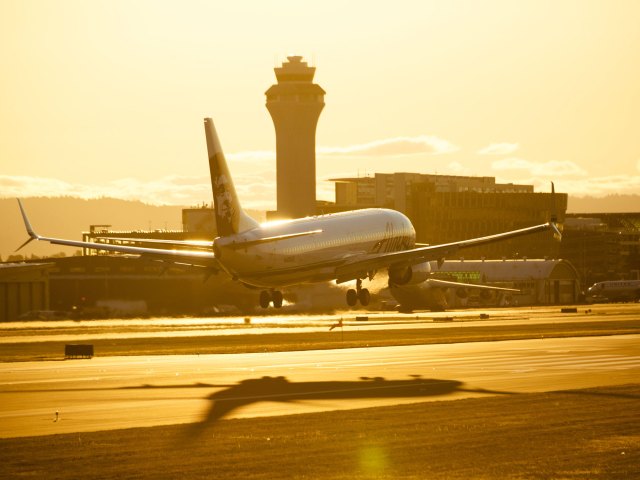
(409, 275)
(462, 292)
(485, 295)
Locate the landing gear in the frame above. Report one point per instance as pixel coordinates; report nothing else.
(276, 297)
(364, 296)
(359, 294)
(352, 297)
(266, 297)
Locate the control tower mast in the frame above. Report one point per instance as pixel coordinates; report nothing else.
(295, 103)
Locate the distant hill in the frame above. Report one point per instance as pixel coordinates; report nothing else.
(608, 204)
(67, 217)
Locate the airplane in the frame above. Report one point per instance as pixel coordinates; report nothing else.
(614, 291)
(340, 247)
(431, 294)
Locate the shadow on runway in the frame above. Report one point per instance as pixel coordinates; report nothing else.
(230, 397)
(280, 389)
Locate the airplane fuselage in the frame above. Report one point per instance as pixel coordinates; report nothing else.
(615, 290)
(325, 242)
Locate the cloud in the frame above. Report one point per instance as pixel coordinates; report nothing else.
(581, 187)
(170, 190)
(255, 179)
(499, 149)
(421, 144)
(601, 186)
(17, 186)
(398, 146)
(551, 169)
(456, 168)
(253, 174)
(257, 156)
(257, 191)
(389, 147)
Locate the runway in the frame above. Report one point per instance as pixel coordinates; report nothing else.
(124, 392)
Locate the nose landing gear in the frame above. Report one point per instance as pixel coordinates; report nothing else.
(358, 294)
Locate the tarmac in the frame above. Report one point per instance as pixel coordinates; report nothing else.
(48, 397)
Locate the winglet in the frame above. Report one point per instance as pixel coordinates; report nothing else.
(32, 235)
(554, 209)
(557, 234)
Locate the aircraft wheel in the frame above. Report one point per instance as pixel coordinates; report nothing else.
(265, 298)
(352, 297)
(277, 298)
(364, 296)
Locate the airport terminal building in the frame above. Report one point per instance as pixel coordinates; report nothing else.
(603, 246)
(24, 287)
(448, 208)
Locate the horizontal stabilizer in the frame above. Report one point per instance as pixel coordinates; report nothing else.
(197, 244)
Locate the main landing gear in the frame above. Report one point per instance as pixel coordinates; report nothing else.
(268, 296)
(359, 294)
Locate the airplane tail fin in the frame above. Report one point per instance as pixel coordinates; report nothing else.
(230, 218)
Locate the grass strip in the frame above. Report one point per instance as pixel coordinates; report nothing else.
(591, 433)
(352, 337)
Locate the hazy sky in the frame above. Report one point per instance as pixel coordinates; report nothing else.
(107, 97)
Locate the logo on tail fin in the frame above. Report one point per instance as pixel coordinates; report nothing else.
(230, 217)
(225, 211)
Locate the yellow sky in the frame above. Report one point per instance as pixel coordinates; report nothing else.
(107, 97)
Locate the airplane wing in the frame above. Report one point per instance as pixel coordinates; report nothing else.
(360, 267)
(434, 282)
(185, 257)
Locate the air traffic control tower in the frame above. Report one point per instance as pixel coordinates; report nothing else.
(295, 103)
